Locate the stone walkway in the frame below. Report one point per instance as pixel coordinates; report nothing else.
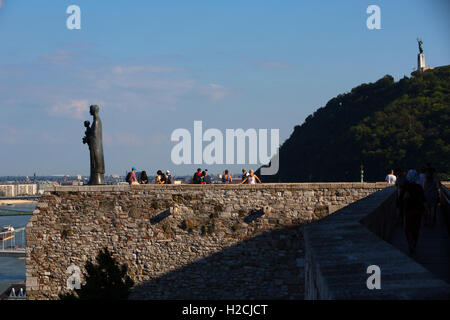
(433, 247)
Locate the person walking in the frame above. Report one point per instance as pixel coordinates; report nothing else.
(431, 191)
(251, 178)
(391, 178)
(400, 184)
(421, 177)
(414, 208)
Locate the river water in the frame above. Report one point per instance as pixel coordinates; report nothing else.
(12, 270)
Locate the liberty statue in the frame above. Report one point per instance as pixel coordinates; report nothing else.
(420, 42)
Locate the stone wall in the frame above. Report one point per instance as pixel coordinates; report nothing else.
(183, 241)
(340, 248)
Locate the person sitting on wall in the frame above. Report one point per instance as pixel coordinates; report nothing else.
(244, 174)
(169, 178)
(160, 177)
(205, 178)
(197, 179)
(251, 178)
(226, 178)
(143, 179)
(132, 179)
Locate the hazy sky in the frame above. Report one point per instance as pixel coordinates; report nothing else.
(155, 66)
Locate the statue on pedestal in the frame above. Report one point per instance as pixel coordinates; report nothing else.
(421, 57)
(93, 138)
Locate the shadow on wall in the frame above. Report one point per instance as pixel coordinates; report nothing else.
(267, 266)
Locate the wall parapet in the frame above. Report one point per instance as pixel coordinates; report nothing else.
(270, 186)
(339, 248)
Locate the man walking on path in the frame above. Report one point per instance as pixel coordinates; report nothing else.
(391, 178)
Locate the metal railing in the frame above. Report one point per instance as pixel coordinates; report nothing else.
(445, 205)
(13, 242)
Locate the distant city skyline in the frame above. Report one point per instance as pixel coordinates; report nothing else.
(154, 66)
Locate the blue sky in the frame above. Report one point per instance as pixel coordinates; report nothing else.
(155, 66)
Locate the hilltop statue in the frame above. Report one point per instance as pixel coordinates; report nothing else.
(93, 139)
(420, 42)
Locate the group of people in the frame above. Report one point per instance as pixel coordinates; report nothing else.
(417, 198)
(161, 178)
(201, 177)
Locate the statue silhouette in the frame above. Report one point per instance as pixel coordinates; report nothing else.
(93, 138)
(420, 42)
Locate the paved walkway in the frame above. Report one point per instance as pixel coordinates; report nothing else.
(433, 247)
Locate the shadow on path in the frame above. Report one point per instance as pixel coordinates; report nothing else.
(433, 247)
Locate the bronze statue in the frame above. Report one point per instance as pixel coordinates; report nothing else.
(93, 139)
(420, 42)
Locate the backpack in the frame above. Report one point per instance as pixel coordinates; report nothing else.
(128, 178)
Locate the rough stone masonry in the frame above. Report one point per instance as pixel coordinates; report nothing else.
(183, 241)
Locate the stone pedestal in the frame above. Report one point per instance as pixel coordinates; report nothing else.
(421, 62)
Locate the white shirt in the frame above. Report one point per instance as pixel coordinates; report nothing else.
(390, 178)
(251, 180)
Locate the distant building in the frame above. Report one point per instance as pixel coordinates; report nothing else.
(15, 190)
(25, 189)
(7, 190)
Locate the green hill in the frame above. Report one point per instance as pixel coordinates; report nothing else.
(381, 125)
